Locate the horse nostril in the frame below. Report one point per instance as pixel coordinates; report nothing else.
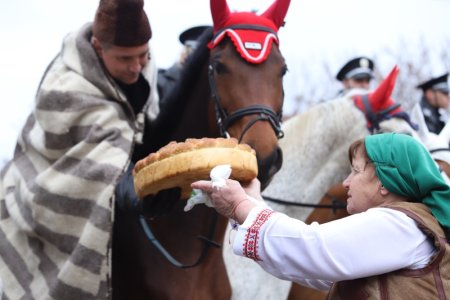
(269, 166)
(279, 161)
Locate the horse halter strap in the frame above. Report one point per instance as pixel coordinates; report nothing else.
(224, 120)
(375, 117)
(264, 113)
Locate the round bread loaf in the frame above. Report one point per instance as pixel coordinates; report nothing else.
(180, 164)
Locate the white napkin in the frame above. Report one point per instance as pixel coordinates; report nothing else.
(219, 174)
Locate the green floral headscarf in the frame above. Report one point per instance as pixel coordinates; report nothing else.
(406, 168)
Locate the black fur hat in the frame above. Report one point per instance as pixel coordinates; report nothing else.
(122, 23)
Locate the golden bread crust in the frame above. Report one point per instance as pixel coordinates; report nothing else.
(180, 164)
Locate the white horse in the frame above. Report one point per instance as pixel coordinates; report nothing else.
(315, 158)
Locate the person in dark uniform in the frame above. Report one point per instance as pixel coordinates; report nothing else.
(435, 102)
(168, 77)
(356, 73)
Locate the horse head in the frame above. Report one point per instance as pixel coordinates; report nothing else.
(246, 69)
(382, 113)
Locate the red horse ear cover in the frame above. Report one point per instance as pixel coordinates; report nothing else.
(380, 101)
(277, 11)
(221, 14)
(380, 98)
(252, 44)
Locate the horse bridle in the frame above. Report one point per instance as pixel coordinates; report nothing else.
(207, 243)
(264, 113)
(375, 118)
(335, 205)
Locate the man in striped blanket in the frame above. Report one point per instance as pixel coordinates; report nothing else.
(58, 193)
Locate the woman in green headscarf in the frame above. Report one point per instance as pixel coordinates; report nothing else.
(392, 246)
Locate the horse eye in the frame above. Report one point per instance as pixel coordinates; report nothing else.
(220, 68)
(284, 71)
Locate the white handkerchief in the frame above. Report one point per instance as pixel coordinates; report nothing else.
(219, 175)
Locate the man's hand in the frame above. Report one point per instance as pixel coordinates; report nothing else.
(150, 206)
(161, 203)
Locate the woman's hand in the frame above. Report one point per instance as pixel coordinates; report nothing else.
(253, 189)
(231, 200)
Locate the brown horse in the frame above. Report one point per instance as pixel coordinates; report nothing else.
(234, 88)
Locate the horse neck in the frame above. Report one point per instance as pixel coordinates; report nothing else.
(187, 112)
(315, 150)
(195, 121)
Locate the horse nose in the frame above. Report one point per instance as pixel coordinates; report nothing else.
(269, 166)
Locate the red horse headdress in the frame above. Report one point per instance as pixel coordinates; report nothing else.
(378, 104)
(251, 34)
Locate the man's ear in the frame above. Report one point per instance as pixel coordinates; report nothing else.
(97, 46)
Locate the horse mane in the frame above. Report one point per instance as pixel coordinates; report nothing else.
(175, 102)
(192, 68)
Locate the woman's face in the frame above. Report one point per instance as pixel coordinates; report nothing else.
(363, 186)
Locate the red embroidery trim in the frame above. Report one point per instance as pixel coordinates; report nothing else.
(252, 236)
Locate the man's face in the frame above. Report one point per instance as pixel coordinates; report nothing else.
(442, 99)
(357, 83)
(437, 99)
(124, 63)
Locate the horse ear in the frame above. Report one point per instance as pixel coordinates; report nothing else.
(384, 91)
(277, 11)
(220, 13)
(381, 96)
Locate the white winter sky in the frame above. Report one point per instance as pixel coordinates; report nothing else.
(316, 32)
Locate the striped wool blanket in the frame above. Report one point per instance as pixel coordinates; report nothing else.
(57, 193)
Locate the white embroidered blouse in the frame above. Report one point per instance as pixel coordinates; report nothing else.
(369, 243)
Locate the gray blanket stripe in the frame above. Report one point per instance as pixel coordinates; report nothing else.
(87, 259)
(111, 135)
(64, 205)
(101, 218)
(4, 214)
(50, 271)
(63, 242)
(64, 141)
(64, 101)
(91, 134)
(15, 262)
(25, 167)
(29, 125)
(87, 169)
(63, 291)
(82, 208)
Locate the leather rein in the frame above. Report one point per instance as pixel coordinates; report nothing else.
(335, 203)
